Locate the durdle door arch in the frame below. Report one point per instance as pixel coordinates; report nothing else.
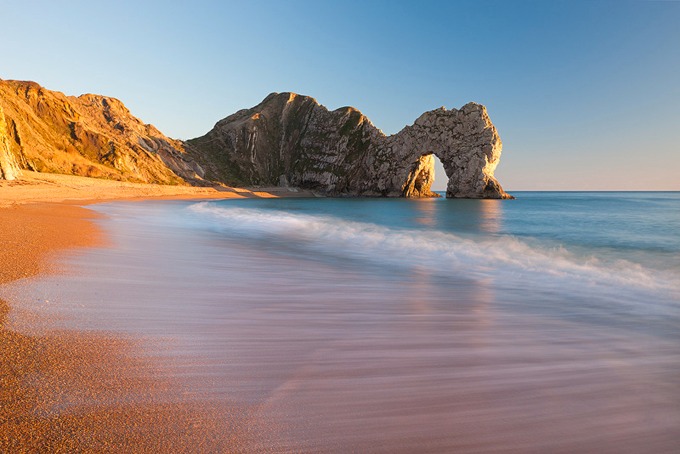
(466, 143)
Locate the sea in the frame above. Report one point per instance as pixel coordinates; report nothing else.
(548, 323)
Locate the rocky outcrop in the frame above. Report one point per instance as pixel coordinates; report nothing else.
(89, 135)
(290, 139)
(286, 140)
(420, 178)
(466, 143)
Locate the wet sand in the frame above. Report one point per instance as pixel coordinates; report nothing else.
(71, 391)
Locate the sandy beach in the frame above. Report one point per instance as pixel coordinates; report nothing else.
(310, 325)
(35, 187)
(78, 392)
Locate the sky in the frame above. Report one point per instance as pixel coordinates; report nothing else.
(585, 94)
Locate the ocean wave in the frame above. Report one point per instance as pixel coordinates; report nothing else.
(501, 257)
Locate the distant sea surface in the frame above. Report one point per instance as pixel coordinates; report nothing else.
(549, 323)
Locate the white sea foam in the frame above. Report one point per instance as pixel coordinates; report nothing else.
(505, 259)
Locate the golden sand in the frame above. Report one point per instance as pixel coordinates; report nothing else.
(46, 187)
(79, 392)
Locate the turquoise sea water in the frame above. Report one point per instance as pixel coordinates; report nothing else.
(606, 245)
(549, 323)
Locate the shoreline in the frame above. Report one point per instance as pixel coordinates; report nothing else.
(66, 391)
(34, 187)
(275, 366)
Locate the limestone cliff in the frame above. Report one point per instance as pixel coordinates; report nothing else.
(290, 139)
(89, 135)
(286, 140)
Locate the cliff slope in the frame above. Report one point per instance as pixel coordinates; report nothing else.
(88, 135)
(290, 139)
(286, 140)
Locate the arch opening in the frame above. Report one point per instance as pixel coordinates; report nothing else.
(441, 179)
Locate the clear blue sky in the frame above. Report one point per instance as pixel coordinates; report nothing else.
(585, 95)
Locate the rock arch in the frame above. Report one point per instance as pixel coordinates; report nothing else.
(290, 139)
(466, 143)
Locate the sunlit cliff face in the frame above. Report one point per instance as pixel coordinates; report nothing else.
(420, 179)
(9, 169)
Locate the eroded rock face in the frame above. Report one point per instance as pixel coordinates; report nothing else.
(286, 140)
(89, 135)
(9, 167)
(420, 178)
(290, 139)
